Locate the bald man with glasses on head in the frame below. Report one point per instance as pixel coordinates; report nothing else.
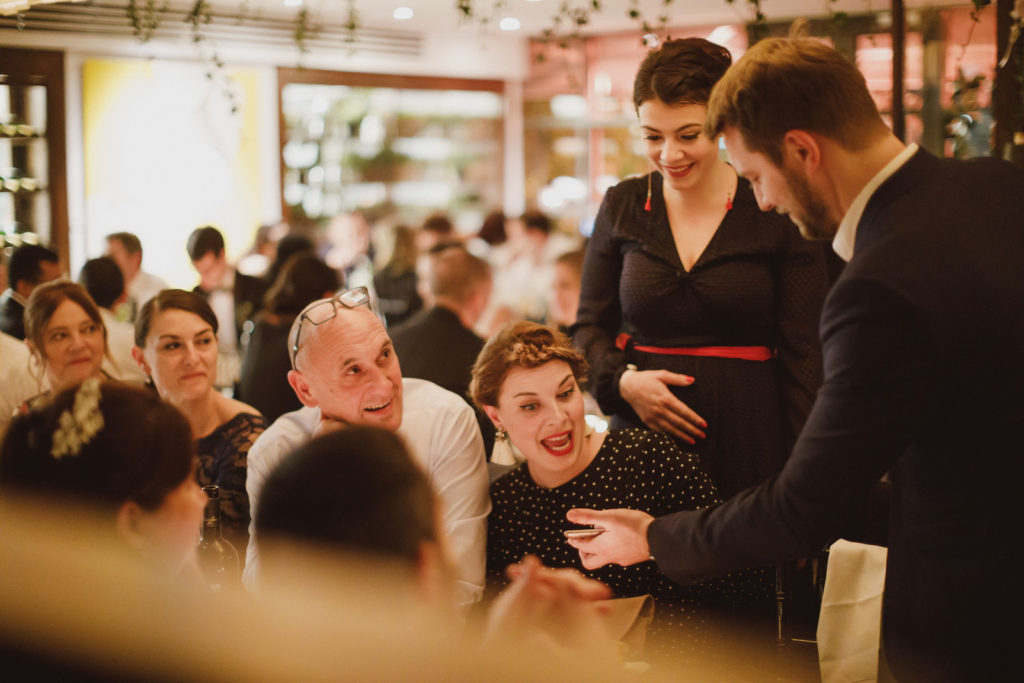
(345, 372)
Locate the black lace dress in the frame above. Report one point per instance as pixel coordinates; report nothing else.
(638, 469)
(222, 461)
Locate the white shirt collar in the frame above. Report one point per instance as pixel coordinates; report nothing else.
(847, 233)
(18, 297)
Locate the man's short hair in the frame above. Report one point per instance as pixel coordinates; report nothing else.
(24, 263)
(438, 223)
(130, 242)
(204, 240)
(355, 490)
(784, 84)
(457, 274)
(104, 281)
(535, 220)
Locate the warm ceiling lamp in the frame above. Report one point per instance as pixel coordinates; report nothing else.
(15, 6)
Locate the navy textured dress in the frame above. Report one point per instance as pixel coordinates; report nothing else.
(223, 457)
(757, 283)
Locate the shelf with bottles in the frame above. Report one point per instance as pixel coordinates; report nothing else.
(389, 149)
(14, 181)
(19, 132)
(32, 196)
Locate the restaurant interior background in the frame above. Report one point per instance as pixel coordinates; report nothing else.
(140, 116)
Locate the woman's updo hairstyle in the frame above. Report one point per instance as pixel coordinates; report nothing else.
(521, 345)
(171, 299)
(681, 71)
(103, 443)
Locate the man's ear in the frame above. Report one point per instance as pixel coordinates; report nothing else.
(140, 360)
(802, 149)
(301, 388)
(130, 524)
(492, 413)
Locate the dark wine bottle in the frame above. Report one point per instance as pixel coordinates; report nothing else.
(218, 559)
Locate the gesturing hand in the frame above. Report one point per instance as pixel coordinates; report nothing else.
(560, 604)
(624, 540)
(647, 391)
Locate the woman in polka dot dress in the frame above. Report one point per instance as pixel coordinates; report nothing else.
(527, 379)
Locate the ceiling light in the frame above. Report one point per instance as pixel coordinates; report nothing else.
(402, 13)
(509, 24)
(292, 3)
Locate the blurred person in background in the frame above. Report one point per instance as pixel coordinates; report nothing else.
(29, 266)
(66, 337)
(436, 229)
(126, 250)
(439, 344)
(396, 282)
(564, 298)
(103, 280)
(176, 346)
(16, 382)
(523, 274)
(289, 245)
(350, 249)
(263, 250)
(235, 298)
(123, 452)
(265, 364)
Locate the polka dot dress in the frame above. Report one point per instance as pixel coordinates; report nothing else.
(636, 469)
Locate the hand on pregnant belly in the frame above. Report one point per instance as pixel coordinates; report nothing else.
(647, 391)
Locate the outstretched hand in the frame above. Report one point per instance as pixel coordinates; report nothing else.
(559, 604)
(624, 540)
(648, 393)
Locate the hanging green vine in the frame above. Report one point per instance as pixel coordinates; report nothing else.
(198, 18)
(352, 23)
(145, 17)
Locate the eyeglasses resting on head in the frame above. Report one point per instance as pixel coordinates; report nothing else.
(319, 312)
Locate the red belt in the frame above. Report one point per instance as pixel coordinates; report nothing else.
(758, 353)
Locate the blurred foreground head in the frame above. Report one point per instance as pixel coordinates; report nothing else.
(119, 450)
(358, 492)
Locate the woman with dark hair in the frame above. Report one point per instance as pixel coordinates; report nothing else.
(717, 302)
(120, 450)
(527, 380)
(265, 364)
(396, 283)
(176, 346)
(65, 336)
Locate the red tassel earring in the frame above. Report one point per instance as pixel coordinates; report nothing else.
(728, 202)
(647, 204)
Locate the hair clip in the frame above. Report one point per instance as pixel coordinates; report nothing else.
(78, 426)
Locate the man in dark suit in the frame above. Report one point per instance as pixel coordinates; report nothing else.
(439, 344)
(923, 344)
(234, 297)
(30, 266)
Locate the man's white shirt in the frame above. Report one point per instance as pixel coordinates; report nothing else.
(442, 434)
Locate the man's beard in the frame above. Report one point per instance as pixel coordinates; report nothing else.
(810, 214)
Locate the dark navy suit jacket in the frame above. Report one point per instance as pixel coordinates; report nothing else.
(923, 346)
